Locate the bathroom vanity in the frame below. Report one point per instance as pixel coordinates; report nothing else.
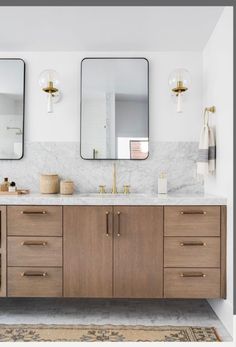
(91, 246)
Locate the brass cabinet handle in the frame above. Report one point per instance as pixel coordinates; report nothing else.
(192, 243)
(34, 274)
(118, 224)
(34, 212)
(107, 223)
(192, 274)
(193, 212)
(33, 243)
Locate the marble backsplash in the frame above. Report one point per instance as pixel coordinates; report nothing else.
(177, 159)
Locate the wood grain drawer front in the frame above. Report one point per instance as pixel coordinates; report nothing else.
(192, 221)
(192, 283)
(34, 220)
(34, 251)
(192, 252)
(34, 282)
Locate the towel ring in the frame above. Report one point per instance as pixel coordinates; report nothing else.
(211, 109)
(208, 110)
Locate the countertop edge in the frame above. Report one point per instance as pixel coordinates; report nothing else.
(138, 200)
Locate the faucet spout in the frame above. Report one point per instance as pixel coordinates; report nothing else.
(114, 188)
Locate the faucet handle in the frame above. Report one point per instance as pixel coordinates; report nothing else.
(126, 189)
(102, 189)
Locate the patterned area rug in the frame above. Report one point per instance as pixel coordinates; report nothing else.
(111, 333)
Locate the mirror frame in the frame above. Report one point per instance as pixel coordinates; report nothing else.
(148, 107)
(23, 123)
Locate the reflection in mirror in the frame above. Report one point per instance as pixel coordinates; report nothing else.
(11, 108)
(114, 108)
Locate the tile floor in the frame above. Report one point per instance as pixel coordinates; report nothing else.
(94, 311)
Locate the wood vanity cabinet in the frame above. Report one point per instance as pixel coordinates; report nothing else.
(138, 252)
(113, 252)
(194, 252)
(88, 247)
(3, 242)
(34, 251)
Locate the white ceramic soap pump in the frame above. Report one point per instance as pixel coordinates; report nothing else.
(162, 183)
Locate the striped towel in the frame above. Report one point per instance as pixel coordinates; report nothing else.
(206, 163)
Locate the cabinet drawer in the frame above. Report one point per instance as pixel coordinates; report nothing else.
(192, 252)
(192, 221)
(192, 283)
(34, 220)
(34, 251)
(38, 282)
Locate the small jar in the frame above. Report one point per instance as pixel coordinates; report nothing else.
(66, 187)
(5, 185)
(12, 187)
(49, 184)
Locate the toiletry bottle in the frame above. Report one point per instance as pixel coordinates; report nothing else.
(12, 187)
(5, 185)
(162, 183)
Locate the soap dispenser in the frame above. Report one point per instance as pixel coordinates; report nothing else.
(162, 183)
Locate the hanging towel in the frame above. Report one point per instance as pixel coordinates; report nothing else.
(206, 162)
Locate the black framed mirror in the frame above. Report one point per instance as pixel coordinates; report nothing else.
(12, 100)
(114, 113)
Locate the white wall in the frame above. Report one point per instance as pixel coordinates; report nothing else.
(63, 125)
(218, 91)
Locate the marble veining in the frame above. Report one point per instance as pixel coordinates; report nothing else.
(114, 200)
(177, 159)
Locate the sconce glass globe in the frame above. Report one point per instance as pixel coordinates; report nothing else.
(49, 76)
(49, 83)
(179, 75)
(179, 82)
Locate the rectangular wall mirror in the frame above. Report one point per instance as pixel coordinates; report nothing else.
(114, 108)
(12, 87)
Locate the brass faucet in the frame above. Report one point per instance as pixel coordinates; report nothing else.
(114, 188)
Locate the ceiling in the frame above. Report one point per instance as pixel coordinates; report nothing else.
(107, 28)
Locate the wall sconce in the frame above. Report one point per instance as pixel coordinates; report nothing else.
(49, 83)
(179, 82)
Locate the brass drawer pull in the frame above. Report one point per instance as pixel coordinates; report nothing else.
(192, 243)
(118, 226)
(33, 212)
(34, 274)
(107, 223)
(33, 243)
(192, 274)
(193, 212)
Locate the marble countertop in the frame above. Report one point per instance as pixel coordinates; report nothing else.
(109, 199)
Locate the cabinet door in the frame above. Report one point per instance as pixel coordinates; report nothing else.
(138, 252)
(88, 251)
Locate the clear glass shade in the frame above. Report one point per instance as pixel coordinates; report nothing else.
(179, 82)
(49, 76)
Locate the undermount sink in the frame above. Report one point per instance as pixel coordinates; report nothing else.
(110, 195)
